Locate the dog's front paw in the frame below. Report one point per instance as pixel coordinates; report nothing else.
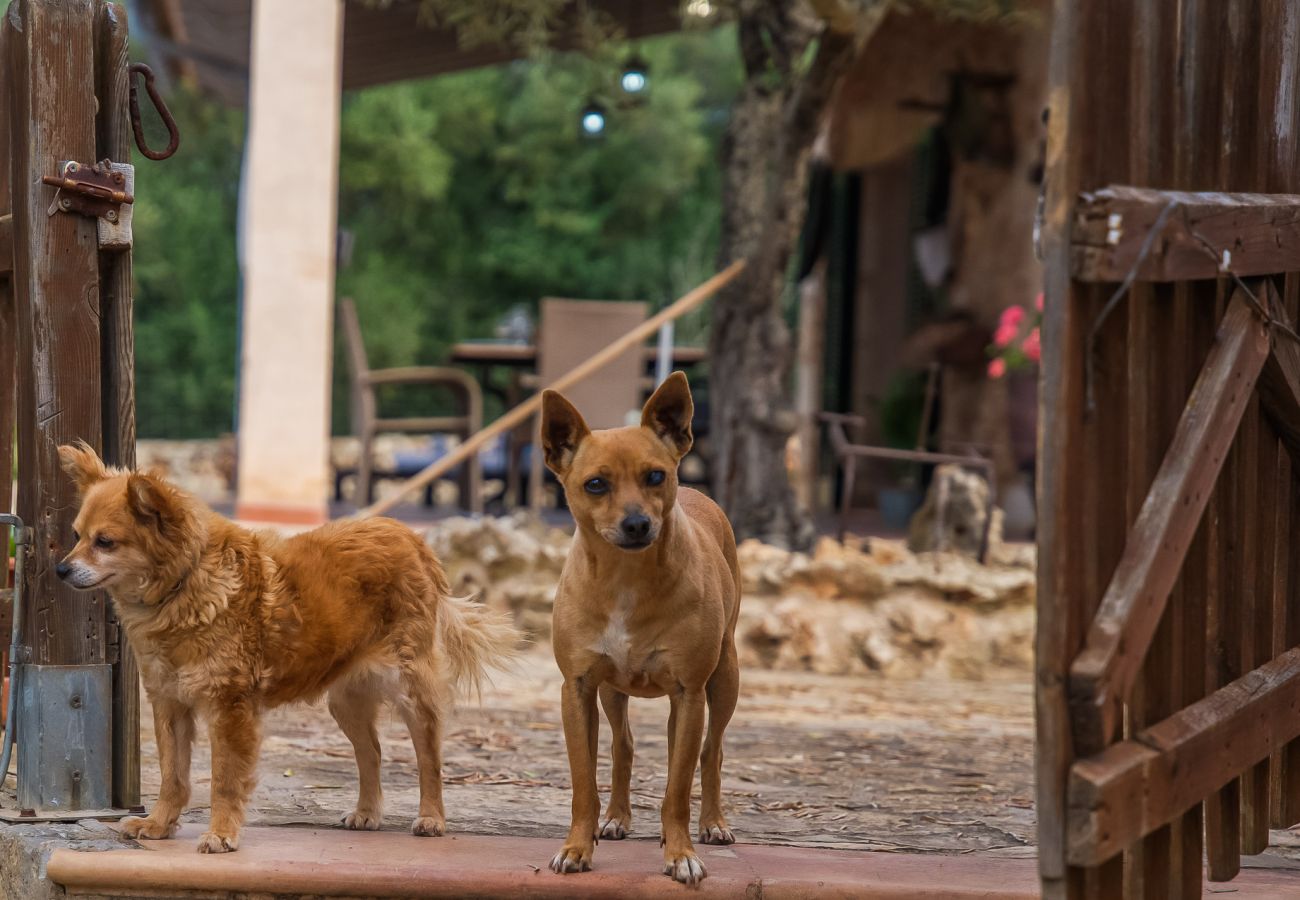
(428, 826)
(716, 834)
(615, 828)
(149, 828)
(572, 858)
(685, 867)
(212, 842)
(361, 820)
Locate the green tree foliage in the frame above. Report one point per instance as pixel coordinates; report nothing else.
(186, 276)
(465, 195)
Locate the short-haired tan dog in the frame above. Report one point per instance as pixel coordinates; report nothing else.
(646, 607)
(227, 622)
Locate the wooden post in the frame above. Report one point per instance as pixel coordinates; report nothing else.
(808, 380)
(58, 312)
(117, 344)
(8, 314)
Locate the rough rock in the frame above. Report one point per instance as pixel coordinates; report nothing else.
(953, 516)
(512, 563)
(870, 607)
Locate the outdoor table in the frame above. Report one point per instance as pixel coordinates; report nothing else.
(487, 354)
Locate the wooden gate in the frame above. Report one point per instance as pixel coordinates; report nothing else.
(1168, 649)
(65, 318)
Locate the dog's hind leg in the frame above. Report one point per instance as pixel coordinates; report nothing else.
(354, 704)
(421, 708)
(721, 691)
(618, 815)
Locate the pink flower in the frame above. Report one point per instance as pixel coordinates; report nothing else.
(1032, 346)
(1005, 334)
(997, 368)
(1011, 317)
(1038, 302)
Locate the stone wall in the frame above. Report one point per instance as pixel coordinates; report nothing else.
(873, 607)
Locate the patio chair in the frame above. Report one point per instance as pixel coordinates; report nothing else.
(847, 454)
(367, 423)
(570, 332)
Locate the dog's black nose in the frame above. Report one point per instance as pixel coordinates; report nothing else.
(635, 527)
(62, 570)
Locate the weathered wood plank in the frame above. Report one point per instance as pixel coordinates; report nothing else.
(1060, 627)
(1135, 786)
(1250, 610)
(1194, 336)
(1103, 673)
(1287, 598)
(1281, 594)
(1288, 812)
(1223, 655)
(6, 244)
(56, 283)
(1257, 643)
(1279, 383)
(118, 378)
(1259, 232)
(8, 312)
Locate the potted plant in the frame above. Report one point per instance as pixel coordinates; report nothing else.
(1015, 352)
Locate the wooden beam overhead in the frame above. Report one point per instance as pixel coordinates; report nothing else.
(1200, 235)
(1134, 787)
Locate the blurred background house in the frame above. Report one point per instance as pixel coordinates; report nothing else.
(465, 191)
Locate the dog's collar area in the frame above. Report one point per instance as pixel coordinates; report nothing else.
(178, 587)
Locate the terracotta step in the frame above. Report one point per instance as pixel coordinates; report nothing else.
(334, 862)
(288, 861)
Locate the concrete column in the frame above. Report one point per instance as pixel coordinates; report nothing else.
(288, 244)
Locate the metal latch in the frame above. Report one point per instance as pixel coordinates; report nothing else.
(104, 191)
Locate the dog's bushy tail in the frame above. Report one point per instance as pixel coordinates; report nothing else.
(472, 639)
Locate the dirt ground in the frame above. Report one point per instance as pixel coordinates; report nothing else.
(852, 762)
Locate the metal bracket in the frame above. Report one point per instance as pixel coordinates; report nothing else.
(89, 190)
(104, 192)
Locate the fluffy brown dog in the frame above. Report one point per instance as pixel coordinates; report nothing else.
(227, 622)
(646, 607)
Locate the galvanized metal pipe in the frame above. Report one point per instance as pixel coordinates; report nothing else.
(15, 638)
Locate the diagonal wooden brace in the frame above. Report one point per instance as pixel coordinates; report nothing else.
(1104, 672)
(1279, 384)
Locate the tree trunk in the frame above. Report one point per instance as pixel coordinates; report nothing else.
(991, 220)
(765, 155)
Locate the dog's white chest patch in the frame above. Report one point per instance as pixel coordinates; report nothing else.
(614, 642)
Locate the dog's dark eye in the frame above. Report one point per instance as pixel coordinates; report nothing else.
(104, 543)
(655, 477)
(595, 486)
(75, 536)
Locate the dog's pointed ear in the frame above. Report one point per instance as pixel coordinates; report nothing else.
(150, 500)
(83, 464)
(563, 429)
(668, 413)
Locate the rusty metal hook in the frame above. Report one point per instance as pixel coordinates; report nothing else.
(163, 113)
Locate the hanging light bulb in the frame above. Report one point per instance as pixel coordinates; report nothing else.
(636, 75)
(592, 120)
